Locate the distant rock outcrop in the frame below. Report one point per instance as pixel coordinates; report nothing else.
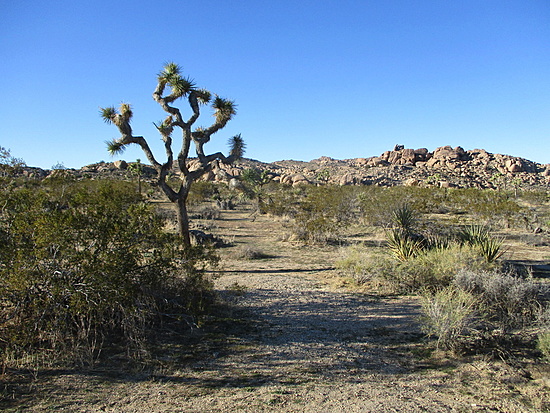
(444, 167)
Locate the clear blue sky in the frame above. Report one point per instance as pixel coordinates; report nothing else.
(343, 78)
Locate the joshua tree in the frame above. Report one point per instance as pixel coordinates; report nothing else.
(136, 169)
(179, 87)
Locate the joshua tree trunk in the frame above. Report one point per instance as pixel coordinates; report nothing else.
(180, 88)
(183, 218)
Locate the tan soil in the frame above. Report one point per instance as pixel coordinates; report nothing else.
(297, 339)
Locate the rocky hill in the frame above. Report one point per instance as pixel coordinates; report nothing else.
(444, 167)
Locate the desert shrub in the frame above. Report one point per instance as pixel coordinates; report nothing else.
(486, 204)
(207, 212)
(377, 204)
(281, 201)
(449, 314)
(484, 305)
(323, 212)
(511, 302)
(9, 165)
(202, 191)
(90, 268)
(434, 269)
(431, 270)
(364, 265)
(250, 253)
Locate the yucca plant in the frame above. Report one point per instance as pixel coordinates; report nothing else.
(479, 236)
(170, 78)
(402, 245)
(405, 218)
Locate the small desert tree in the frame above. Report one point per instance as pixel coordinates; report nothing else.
(178, 87)
(9, 165)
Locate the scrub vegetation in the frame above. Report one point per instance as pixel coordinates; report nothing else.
(96, 270)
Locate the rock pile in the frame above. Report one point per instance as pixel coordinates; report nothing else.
(444, 167)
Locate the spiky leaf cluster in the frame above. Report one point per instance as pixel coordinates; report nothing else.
(203, 95)
(126, 111)
(237, 146)
(111, 115)
(108, 114)
(115, 147)
(170, 72)
(224, 109)
(165, 127)
(171, 76)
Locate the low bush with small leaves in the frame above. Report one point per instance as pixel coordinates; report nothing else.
(209, 212)
(90, 267)
(435, 268)
(449, 314)
(364, 265)
(431, 270)
(250, 253)
(511, 302)
(324, 212)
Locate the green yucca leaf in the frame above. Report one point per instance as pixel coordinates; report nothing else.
(108, 114)
(402, 246)
(404, 217)
(225, 109)
(237, 145)
(165, 127)
(203, 95)
(126, 111)
(172, 68)
(181, 86)
(115, 147)
(170, 71)
(225, 105)
(479, 236)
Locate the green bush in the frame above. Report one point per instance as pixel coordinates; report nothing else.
(87, 268)
(324, 212)
(202, 191)
(430, 270)
(486, 204)
(281, 201)
(434, 269)
(364, 265)
(377, 204)
(449, 314)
